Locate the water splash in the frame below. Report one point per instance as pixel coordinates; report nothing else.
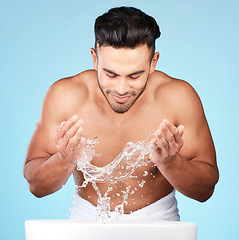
(122, 167)
(134, 155)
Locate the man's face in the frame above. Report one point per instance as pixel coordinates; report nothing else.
(122, 74)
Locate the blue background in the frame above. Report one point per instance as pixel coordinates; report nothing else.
(43, 41)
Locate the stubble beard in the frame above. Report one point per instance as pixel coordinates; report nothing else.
(121, 107)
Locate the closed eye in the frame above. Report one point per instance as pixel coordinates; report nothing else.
(111, 75)
(134, 77)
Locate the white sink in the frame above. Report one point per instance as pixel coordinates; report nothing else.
(123, 230)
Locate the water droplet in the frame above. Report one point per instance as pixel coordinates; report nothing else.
(121, 168)
(142, 183)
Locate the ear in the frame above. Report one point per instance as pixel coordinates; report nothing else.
(154, 62)
(94, 58)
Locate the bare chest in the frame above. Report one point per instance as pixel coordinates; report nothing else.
(115, 133)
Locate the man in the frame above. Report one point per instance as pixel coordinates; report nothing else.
(122, 99)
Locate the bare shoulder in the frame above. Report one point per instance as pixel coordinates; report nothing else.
(70, 87)
(68, 94)
(178, 96)
(167, 86)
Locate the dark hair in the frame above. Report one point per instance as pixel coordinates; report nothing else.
(126, 27)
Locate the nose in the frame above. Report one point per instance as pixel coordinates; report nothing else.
(121, 86)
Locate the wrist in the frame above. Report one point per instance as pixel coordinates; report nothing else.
(66, 162)
(169, 163)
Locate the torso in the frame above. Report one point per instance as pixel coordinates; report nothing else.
(115, 130)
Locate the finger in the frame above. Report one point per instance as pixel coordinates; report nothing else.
(71, 139)
(180, 129)
(176, 145)
(169, 131)
(171, 135)
(64, 127)
(82, 143)
(161, 141)
(74, 141)
(176, 131)
(71, 133)
(170, 126)
(58, 127)
(69, 123)
(58, 134)
(79, 149)
(178, 136)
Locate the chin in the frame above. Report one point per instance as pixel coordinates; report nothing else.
(119, 109)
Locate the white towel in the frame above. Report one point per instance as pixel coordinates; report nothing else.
(165, 209)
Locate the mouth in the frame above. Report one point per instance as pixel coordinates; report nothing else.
(120, 99)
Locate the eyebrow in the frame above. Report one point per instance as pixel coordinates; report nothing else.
(129, 75)
(111, 72)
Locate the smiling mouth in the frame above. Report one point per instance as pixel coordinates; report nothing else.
(121, 99)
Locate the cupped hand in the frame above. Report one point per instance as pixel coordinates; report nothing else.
(70, 139)
(168, 142)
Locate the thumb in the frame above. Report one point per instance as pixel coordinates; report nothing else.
(180, 129)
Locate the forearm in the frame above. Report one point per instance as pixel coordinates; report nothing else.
(46, 176)
(195, 179)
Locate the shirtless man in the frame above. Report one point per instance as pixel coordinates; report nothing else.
(122, 99)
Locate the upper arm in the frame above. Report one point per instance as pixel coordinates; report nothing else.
(52, 113)
(198, 142)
